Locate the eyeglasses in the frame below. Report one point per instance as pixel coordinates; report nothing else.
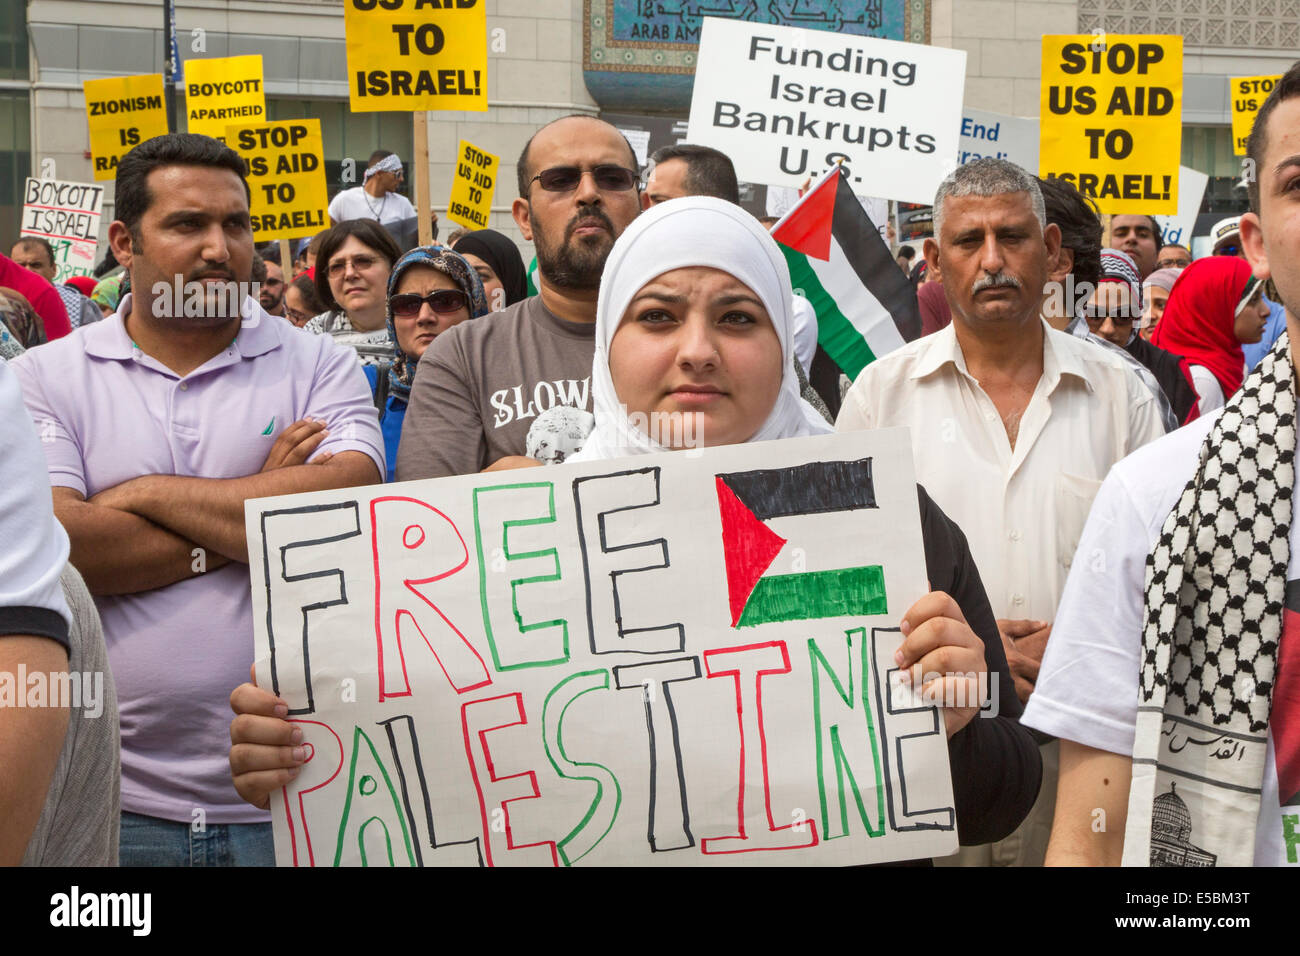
(1117, 318)
(296, 317)
(443, 301)
(1229, 249)
(359, 263)
(1171, 263)
(565, 179)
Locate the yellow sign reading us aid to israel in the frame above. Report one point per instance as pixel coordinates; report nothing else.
(1111, 118)
(1247, 94)
(416, 54)
(121, 113)
(286, 176)
(471, 190)
(223, 90)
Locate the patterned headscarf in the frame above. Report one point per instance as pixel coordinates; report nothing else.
(108, 292)
(389, 164)
(402, 372)
(1119, 267)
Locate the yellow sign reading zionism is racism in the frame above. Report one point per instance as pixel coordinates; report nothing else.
(416, 54)
(286, 176)
(1111, 118)
(1247, 94)
(122, 112)
(224, 90)
(471, 190)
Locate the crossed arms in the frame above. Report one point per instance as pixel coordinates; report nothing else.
(155, 530)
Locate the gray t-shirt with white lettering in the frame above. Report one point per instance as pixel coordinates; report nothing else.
(515, 382)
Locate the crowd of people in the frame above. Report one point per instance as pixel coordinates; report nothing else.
(1104, 443)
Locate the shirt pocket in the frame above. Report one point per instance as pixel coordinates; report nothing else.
(1074, 497)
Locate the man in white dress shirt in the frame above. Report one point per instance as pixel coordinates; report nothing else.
(1014, 425)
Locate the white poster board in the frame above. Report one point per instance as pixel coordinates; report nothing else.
(786, 103)
(1000, 136)
(67, 216)
(1191, 190)
(681, 659)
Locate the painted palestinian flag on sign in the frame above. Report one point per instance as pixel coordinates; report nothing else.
(865, 306)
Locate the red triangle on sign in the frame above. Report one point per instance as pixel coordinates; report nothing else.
(748, 545)
(808, 228)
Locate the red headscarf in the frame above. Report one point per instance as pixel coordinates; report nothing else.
(1197, 324)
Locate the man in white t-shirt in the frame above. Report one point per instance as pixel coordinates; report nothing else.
(376, 198)
(1232, 658)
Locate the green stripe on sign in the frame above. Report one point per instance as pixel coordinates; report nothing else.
(835, 333)
(815, 594)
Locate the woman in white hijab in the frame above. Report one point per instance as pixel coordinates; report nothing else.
(693, 333)
(694, 336)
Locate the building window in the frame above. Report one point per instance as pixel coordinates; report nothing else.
(351, 135)
(13, 41)
(15, 157)
(1209, 149)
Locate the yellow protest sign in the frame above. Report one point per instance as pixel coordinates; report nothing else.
(122, 112)
(416, 54)
(1111, 118)
(286, 175)
(1247, 95)
(471, 190)
(220, 90)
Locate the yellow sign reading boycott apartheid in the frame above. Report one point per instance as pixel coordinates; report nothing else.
(471, 190)
(122, 112)
(286, 175)
(416, 54)
(1247, 95)
(223, 90)
(1111, 108)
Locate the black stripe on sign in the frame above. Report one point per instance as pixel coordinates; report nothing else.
(871, 260)
(816, 488)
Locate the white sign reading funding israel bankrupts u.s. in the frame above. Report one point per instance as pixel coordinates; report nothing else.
(786, 103)
(683, 659)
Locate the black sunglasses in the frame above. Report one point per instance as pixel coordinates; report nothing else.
(565, 179)
(443, 301)
(1118, 318)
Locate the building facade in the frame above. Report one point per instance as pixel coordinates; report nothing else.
(548, 58)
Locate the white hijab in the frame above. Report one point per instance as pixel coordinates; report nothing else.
(680, 234)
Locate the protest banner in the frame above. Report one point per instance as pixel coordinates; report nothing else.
(471, 190)
(67, 216)
(1246, 95)
(686, 659)
(1002, 137)
(222, 90)
(1191, 190)
(286, 176)
(787, 103)
(1111, 118)
(122, 112)
(416, 55)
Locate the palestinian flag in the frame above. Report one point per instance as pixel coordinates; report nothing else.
(865, 306)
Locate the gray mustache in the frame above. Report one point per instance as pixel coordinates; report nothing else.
(995, 281)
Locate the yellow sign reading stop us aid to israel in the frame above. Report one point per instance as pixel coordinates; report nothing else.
(121, 113)
(286, 177)
(1111, 118)
(416, 54)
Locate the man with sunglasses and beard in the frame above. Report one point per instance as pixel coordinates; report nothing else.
(483, 385)
(1014, 424)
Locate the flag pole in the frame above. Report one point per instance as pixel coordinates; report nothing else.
(421, 164)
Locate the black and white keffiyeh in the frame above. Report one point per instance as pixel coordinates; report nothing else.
(1215, 593)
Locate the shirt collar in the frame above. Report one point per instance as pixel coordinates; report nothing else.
(109, 339)
(1059, 359)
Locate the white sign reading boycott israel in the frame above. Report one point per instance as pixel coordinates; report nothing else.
(785, 104)
(67, 216)
(682, 659)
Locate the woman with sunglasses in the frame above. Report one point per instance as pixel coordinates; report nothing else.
(430, 290)
(1214, 307)
(352, 272)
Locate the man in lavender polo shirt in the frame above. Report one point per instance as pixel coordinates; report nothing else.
(157, 424)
